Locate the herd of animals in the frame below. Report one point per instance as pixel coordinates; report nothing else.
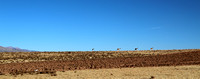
(118, 49)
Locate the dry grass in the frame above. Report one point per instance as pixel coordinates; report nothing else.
(11, 57)
(178, 72)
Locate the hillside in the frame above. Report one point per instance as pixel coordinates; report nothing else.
(12, 49)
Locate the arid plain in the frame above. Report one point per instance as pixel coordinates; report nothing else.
(148, 64)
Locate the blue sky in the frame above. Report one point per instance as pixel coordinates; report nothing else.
(80, 25)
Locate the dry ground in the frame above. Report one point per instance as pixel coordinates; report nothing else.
(50, 67)
(155, 64)
(165, 72)
(17, 57)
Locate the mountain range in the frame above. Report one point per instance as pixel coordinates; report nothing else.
(12, 49)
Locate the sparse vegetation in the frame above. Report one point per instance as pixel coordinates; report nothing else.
(21, 63)
(17, 57)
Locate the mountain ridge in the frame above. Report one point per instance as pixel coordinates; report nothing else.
(12, 49)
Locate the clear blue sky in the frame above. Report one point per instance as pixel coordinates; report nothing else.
(80, 25)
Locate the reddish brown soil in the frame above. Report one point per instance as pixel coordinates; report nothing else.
(190, 58)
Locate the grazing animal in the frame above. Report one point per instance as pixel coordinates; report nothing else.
(118, 49)
(152, 48)
(136, 48)
(36, 70)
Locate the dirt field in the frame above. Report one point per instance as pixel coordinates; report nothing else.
(58, 63)
(50, 67)
(17, 57)
(165, 72)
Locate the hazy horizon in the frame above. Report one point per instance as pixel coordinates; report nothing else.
(80, 25)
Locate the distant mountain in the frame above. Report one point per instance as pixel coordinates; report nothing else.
(12, 49)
